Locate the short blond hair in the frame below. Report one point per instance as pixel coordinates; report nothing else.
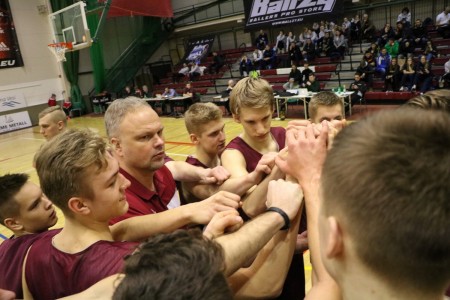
(200, 114)
(56, 114)
(251, 93)
(323, 99)
(64, 163)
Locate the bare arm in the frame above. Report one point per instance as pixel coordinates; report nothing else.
(242, 245)
(141, 227)
(304, 162)
(102, 290)
(253, 201)
(266, 276)
(184, 172)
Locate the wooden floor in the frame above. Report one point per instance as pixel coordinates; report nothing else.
(18, 148)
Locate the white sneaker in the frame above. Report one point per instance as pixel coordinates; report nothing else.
(401, 89)
(413, 89)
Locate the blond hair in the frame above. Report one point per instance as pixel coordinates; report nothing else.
(64, 163)
(117, 111)
(251, 93)
(323, 99)
(56, 114)
(200, 114)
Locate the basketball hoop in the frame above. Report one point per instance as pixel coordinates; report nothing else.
(59, 50)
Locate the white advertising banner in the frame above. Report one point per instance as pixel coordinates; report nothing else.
(14, 121)
(10, 101)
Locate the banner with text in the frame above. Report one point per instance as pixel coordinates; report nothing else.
(14, 121)
(261, 14)
(10, 56)
(10, 101)
(198, 48)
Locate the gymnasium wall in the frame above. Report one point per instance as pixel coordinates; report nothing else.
(39, 77)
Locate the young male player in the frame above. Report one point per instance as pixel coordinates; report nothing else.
(206, 130)
(326, 106)
(382, 198)
(251, 104)
(52, 121)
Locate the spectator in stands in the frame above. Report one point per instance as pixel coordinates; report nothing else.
(370, 58)
(257, 58)
(280, 43)
(355, 29)
(290, 39)
(393, 77)
(245, 65)
(145, 92)
(383, 60)
(268, 58)
(430, 50)
(392, 47)
(305, 73)
(184, 72)
(291, 84)
(189, 91)
(445, 79)
(406, 49)
(67, 104)
(127, 92)
(420, 34)
(367, 28)
(52, 121)
(346, 27)
(405, 17)
(262, 40)
(302, 37)
(359, 88)
(194, 72)
(217, 63)
(137, 92)
(424, 74)
(326, 46)
(403, 34)
(339, 42)
(442, 22)
(167, 95)
(295, 54)
(386, 33)
(366, 71)
(52, 101)
(296, 74)
(409, 76)
(312, 84)
(320, 34)
(309, 50)
(374, 49)
(313, 36)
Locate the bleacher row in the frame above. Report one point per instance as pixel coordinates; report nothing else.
(324, 67)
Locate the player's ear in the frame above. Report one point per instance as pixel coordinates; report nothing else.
(116, 145)
(334, 244)
(78, 205)
(194, 138)
(13, 224)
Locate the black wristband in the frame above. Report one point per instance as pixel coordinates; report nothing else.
(287, 222)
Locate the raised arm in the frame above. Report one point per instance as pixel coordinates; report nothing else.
(305, 159)
(242, 245)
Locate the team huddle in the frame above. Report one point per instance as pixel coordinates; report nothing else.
(369, 200)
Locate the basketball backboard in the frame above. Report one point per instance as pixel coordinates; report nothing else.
(69, 25)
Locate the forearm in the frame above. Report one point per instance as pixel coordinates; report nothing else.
(242, 245)
(184, 172)
(254, 203)
(266, 276)
(141, 227)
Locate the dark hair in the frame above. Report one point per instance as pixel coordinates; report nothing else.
(434, 100)
(10, 185)
(387, 178)
(178, 265)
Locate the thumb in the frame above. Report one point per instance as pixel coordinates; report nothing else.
(281, 163)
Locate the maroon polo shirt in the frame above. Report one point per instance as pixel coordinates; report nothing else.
(143, 201)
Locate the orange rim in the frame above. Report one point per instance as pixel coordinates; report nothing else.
(62, 45)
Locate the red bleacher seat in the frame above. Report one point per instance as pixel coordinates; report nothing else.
(389, 95)
(325, 68)
(441, 42)
(323, 76)
(277, 79)
(268, 72)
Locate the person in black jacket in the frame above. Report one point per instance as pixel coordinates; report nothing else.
(218, 63)
(359, 88)
(296, 74)
(393, 77)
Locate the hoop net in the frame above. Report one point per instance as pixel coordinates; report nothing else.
(59, 50)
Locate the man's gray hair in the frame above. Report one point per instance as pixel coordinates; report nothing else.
(117, 111)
